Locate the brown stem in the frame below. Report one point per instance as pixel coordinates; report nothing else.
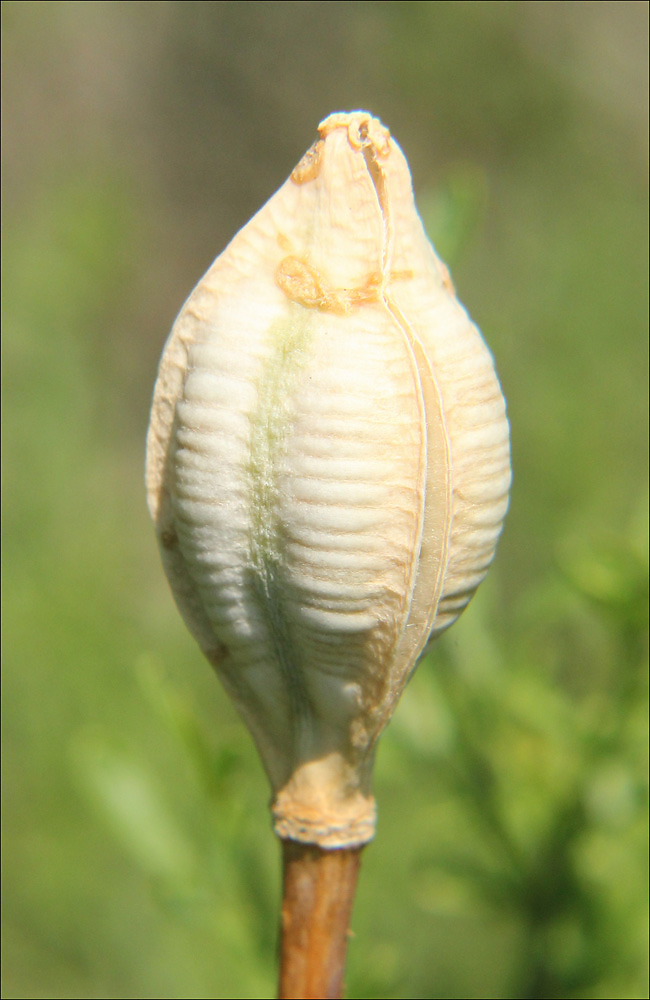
(318, 894)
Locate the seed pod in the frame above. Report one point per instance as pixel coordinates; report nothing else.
(327, 469)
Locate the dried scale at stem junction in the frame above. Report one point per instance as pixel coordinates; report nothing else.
(327, 468)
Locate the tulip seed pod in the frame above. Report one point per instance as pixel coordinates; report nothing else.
(327, 469)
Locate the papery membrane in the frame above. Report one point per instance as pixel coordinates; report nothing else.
(327, 468)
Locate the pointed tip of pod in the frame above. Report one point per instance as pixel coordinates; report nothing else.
(362, 128)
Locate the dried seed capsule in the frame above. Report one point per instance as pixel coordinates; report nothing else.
(327, 468)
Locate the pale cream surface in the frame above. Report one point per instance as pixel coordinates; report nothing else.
(327, 468)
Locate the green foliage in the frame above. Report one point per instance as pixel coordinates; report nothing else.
(512, 783)
(538, 807)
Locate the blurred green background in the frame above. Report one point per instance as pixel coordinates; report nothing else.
(510, 859)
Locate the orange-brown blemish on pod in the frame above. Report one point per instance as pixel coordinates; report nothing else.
(305, 285)
(302, 283)
(309, 166)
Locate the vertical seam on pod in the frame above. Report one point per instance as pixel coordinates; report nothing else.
(419, 366)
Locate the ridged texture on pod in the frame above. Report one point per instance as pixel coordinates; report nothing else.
(327, 469)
